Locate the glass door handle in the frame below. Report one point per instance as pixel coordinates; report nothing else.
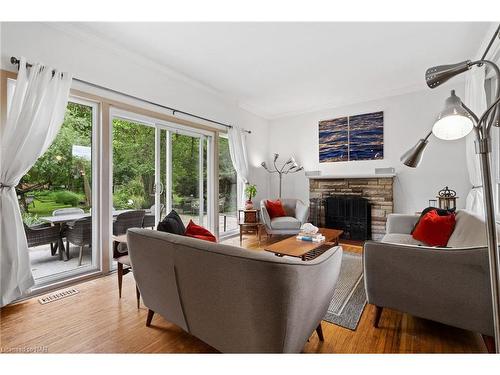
(155, 188)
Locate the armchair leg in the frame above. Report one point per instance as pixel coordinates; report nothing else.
(120, 278)
(378, 314)
(150, 317)
(490, 343)
(319, 331)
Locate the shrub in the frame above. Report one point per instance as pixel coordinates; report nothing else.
(30, 219)
(123, 200)
(67, 197)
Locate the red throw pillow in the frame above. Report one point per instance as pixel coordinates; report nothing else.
(275, 209)
(434, 230)
(197, 231)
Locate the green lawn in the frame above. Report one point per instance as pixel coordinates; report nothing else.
(45, 208)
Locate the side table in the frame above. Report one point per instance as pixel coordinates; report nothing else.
(249, 222)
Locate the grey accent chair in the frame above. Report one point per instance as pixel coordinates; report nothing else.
(236, 300)
(449, 285)
(297, 213)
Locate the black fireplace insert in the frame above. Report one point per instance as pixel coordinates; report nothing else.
(351, 214)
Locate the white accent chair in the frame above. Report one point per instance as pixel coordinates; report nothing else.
(297, 214)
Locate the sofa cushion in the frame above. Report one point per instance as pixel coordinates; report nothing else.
(400, 238)
(172, 223)
(275, 209)
(433, 229)
(470, 230)
(289, 205)
(440, 212)
(199, 232)
(285, 222)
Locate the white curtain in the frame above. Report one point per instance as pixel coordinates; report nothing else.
(238, 152)
(34, 118)
(475, 99)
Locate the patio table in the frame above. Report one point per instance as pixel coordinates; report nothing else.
(61, 221)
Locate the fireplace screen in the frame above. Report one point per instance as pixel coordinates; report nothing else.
(350, 214)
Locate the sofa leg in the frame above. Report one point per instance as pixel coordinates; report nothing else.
(319, 331)
(138, 295)
(120, 278)
(489, 341)
(378, 314)
(150, 317)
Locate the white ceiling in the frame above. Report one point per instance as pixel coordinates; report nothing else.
(276, 69)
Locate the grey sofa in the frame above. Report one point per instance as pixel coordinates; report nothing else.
(448, 285)
(235, 300)
(297, 213)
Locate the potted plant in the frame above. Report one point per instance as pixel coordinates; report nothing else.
(250, 192)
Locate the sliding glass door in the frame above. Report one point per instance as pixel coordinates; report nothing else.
(159, 166)
(57, 197)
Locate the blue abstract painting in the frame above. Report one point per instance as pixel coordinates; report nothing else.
(359, 137)
(333, 140)
(366, 136)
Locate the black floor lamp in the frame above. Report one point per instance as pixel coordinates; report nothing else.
(454, 122)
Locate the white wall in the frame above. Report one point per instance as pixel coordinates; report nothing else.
(407, 118)
(100, 62)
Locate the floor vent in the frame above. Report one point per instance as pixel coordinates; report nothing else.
(57, 295)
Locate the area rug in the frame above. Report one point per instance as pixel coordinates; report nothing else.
(349, 298)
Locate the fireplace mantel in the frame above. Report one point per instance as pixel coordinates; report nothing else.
(350, 176)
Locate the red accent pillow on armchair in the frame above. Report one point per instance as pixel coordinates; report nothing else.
(275, 209)
(434, 230)
(197, 231)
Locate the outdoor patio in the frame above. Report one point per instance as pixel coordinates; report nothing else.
(44, 264)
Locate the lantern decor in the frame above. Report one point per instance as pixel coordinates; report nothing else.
(447, 198)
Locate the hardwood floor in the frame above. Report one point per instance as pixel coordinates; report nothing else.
(97, 321)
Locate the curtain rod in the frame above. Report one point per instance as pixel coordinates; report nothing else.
(16, 61)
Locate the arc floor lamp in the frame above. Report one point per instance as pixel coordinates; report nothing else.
(454, 122)
(290, 166)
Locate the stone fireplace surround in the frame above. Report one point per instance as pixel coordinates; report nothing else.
(378, 189)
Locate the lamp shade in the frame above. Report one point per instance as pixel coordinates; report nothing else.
(437, 75)
(453, 122)
(413, 156)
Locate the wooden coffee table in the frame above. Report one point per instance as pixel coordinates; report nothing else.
(304, 249)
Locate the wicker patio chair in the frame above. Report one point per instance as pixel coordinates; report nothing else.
(67, 211)
(126, 220)
(149, 219)
(42, 234)
(80, 234)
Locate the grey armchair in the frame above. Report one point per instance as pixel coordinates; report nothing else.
(449, 285)
(297, 213)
